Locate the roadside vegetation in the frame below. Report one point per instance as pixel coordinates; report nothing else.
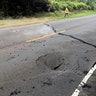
(21, 12)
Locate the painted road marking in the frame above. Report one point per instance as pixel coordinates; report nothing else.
(45, 36)
(84, 81)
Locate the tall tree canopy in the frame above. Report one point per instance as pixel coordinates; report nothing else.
(23, 7)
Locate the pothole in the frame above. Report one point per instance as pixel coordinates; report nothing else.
(51, 61)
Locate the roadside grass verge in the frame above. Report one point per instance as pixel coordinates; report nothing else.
(43, 17)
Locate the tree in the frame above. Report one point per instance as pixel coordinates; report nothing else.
(5, 7)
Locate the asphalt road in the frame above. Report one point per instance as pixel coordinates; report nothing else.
(47, 59)
(90, 87)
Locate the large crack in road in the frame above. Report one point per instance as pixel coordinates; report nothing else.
(78, 39)
(62, 34)
(53, 28)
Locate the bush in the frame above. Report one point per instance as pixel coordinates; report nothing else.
(61, 5)
(56, 6)
(92, 7)
(82, 6)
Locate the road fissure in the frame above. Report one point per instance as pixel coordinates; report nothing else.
(78, 39)
(53, 28)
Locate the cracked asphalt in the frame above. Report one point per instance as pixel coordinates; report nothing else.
(49, 66)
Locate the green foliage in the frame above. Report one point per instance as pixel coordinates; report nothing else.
(29, 7)
(61, 5)
(82, 6)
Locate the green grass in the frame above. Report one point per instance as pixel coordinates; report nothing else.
(43, 17)
(82, 13)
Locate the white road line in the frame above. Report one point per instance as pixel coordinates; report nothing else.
(84, 81)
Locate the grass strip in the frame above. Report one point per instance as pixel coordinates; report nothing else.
(43, 17)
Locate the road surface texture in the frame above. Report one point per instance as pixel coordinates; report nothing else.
(47, 59)
(90, 87)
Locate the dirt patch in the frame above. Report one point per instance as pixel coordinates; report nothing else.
(51, 61)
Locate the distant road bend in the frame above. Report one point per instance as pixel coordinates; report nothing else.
(47, 59)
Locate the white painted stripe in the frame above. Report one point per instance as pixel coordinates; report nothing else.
(84, 81)
(76, 93)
